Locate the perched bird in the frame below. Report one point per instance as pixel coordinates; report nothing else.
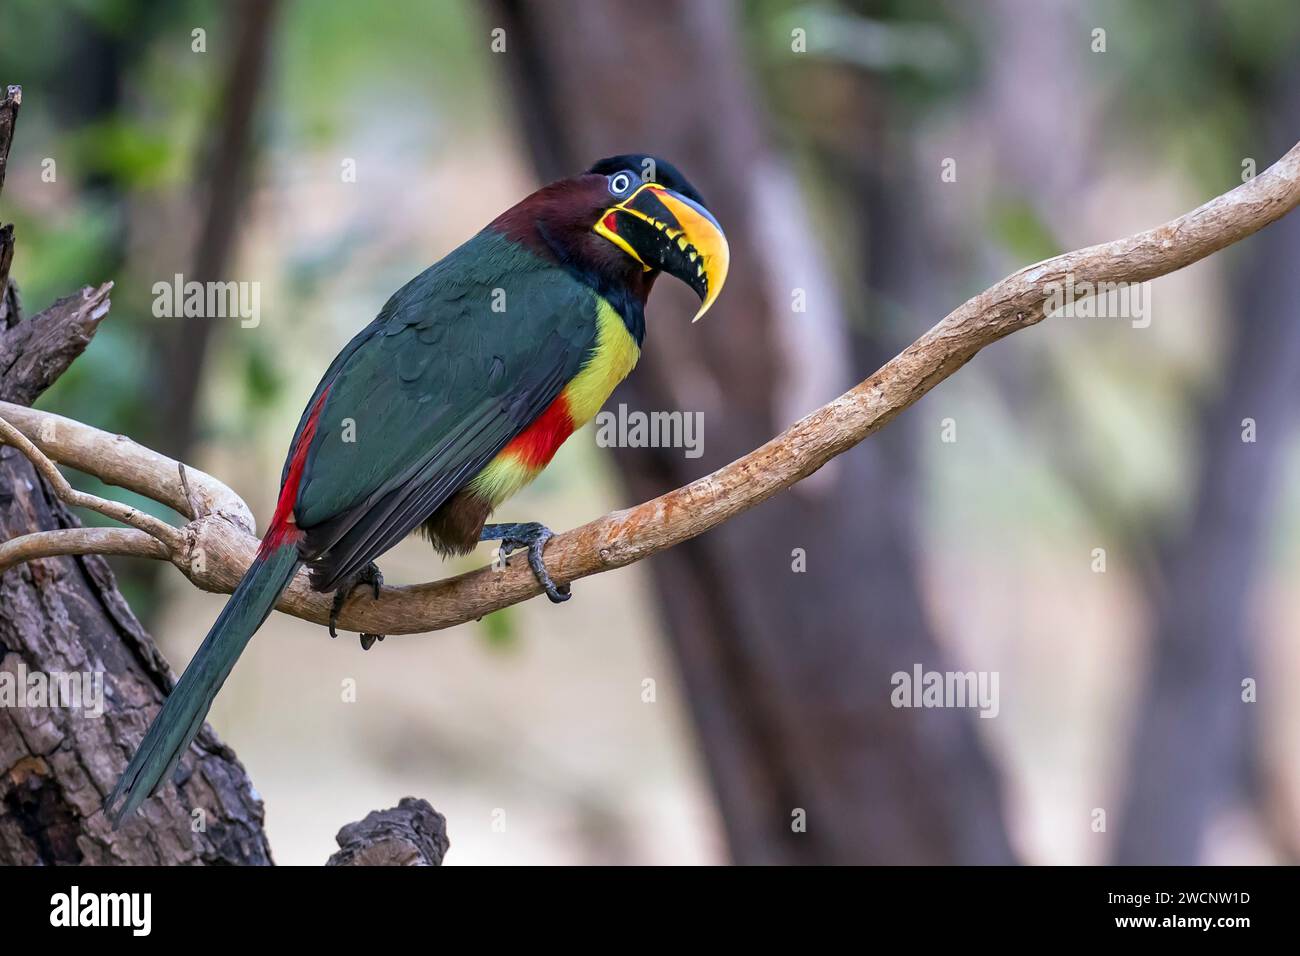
(455, 397)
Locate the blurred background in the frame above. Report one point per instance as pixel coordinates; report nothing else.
(874, 164)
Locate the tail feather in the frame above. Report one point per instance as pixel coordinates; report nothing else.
(176, 725)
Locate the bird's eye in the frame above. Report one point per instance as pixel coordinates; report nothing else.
(620, 183)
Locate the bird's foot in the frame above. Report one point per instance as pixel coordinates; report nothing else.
(531, 535)
(369, 575)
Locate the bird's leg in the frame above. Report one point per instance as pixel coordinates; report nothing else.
(531, 535)
(370, 575)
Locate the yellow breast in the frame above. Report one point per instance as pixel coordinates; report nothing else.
(611, 360)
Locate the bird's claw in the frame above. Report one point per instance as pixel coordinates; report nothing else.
(558, 594)
(534, 536)
(371, 575)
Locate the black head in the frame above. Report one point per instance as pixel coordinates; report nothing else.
(651, 169)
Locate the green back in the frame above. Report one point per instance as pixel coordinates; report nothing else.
(458, 362)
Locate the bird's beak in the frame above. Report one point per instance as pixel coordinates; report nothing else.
(664, 230)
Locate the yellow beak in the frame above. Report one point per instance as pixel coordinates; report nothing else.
(664, 230)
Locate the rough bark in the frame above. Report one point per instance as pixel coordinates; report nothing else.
(34, 353)
(64, 615)
(409, 834)
(9, 304)
(9, 108)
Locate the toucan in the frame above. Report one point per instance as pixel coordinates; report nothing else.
(454, 398)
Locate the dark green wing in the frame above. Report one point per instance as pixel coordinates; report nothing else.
(459, 361)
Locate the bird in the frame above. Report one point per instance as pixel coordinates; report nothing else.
(453, 399)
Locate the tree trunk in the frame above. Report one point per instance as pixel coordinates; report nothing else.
(225, 190)
(64, 618)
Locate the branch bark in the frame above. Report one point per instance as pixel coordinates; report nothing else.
(9, 107)
(409, 834)
(9, 304)
(146, 523)
(64, 618)
(36, 352)
(218, 550)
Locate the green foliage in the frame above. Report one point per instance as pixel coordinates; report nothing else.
(262, 377)
(129, 152)
(499, 630)
(1199, 83)
(1021, 230)
(337, 75)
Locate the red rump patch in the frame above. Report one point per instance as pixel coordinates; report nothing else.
(537, 444)
(283, 528)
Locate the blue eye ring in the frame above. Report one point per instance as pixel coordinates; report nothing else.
(621, 183)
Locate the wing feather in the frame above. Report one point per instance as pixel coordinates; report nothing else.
(431, 391)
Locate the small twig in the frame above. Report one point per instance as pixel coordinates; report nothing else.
(123, 542)
(173, 539)
(117, 460)
(196, 507)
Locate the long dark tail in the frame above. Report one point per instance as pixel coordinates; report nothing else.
(182, 714)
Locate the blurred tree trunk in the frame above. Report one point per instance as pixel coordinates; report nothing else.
(1195, 738)
(95, 72)
(788, 674)
(224, 194)
(181, 345)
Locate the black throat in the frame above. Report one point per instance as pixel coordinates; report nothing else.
(627, 299)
